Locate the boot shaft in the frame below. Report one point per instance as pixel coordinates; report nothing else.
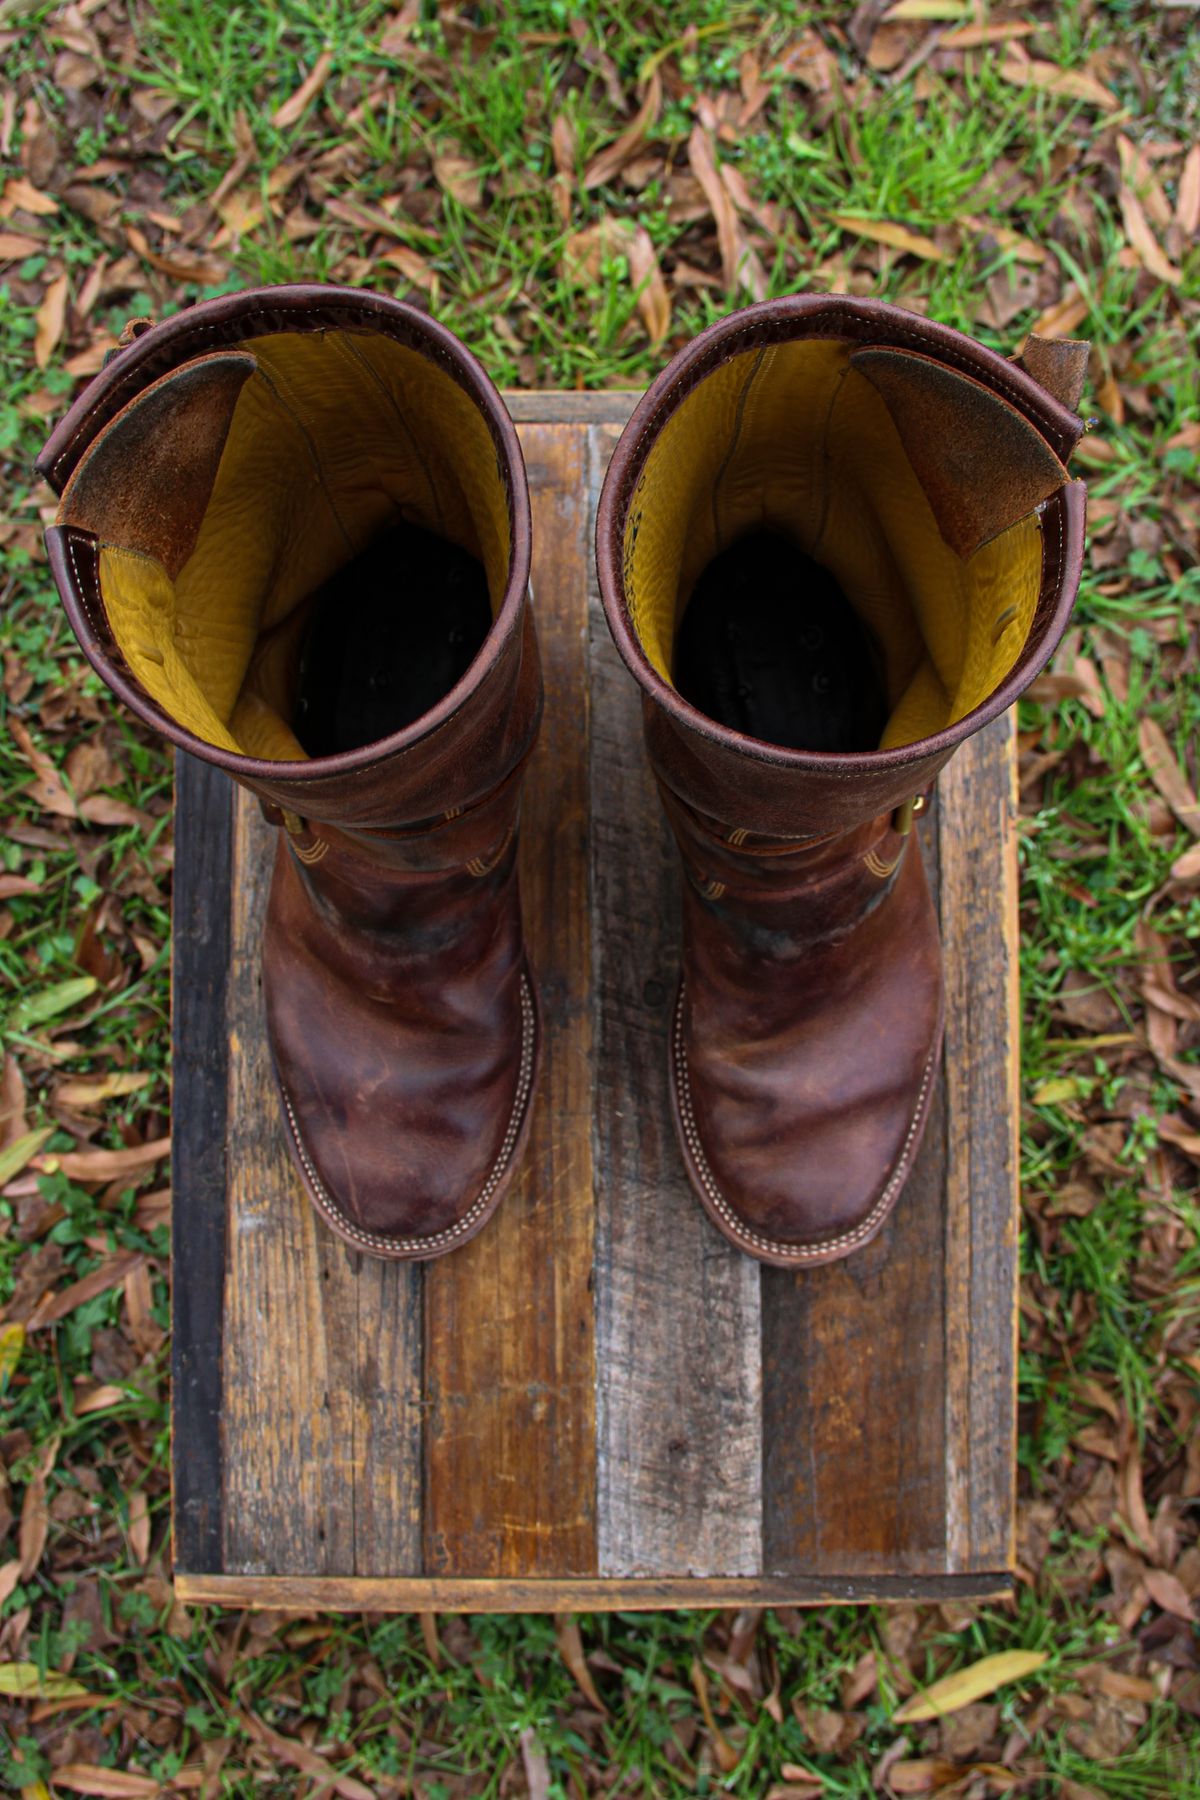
(228, 466)
(918, 472)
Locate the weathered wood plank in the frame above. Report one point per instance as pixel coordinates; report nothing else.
(853, 1353)
(550, 406)
(677, 1308)
(510, 1362)
(322, 1360)
(199, 969)
(517, 1595)
(978, 849)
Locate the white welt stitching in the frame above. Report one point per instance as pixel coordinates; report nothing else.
(800, 1252)
(373, 1240)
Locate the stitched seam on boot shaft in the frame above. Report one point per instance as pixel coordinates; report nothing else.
(440, 1239)
(799, 1252)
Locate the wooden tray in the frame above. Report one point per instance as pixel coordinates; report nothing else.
(598, 1403)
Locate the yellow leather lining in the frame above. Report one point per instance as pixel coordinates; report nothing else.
(793, 438)
(333, 437)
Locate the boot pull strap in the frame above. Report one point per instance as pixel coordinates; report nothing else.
(1059, 365)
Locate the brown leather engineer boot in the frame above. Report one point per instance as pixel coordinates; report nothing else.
(834, 541)
(294, 537)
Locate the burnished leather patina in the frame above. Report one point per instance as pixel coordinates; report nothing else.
(921, 480)
(228, 483)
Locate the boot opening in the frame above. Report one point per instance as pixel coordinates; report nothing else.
(770, 646)
(834, 548)
(369, 667)
(303, 541)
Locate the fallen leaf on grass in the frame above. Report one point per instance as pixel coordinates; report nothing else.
(1187, 866)
(928, 9)
(99, 1399)
(24, 197)
(972, 1683)
(93, 1090)
(51, 317)
(24, 1680)
(536, 1764)
(1166, 775)
(1143, 241)
(1168, 1591)
(299, 1756)
(106, 1165)
(295, 107)
(1137, 173)
(15, 1156)
(727, 1757)
(653, 300)
(609, 162)
(570, 1648)
(107, 1784)
(1187, 197)
(12, 1342)
(110, 1274)
(1067, 84)
(459, 177)
(896, 237)
(139, 1526)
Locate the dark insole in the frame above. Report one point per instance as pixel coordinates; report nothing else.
(770, 646)
(388, 636)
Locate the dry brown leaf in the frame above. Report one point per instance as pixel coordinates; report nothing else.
(653, 300)
(1167, 776)
(110, 1274)
(1187, 866)
(972, 37)
(1137, 173)
(570, 1648)
(536, 1764)
(1187, 198)
(294, 108)
(412, 266)
(107, 1784)
(98, 1399)
(1063, 318)
(35, 1523)
(459, 177)
(897, 237)
(139, 1526)
(1145, 245)
(1067, 84)
(727, 1757)
(609, 162)
(14, 247)
(1168, 1592)
(21, 195)
(51, 317)
(729, 238)
(299, 1756)
(429, 1635)
(106, 1165)
(86, 1091)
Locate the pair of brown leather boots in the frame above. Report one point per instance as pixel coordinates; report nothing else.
(835, 540)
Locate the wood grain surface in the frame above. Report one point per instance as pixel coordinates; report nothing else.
(598, 1402)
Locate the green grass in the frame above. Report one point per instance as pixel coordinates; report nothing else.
(1095, 858)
